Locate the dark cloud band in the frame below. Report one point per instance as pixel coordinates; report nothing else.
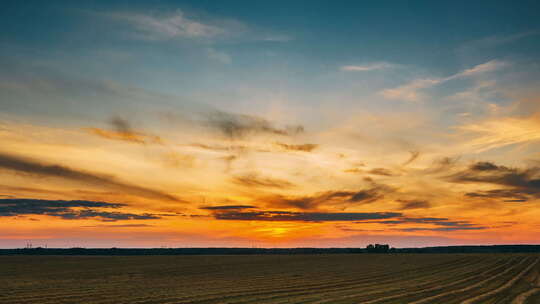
(76, 209)
(227, 207)
(238, 126)
(519, 183)
(253, 180)
(284, 216)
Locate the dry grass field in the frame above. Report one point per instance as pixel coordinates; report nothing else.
(331, 279)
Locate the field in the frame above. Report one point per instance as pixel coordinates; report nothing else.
(332, 279)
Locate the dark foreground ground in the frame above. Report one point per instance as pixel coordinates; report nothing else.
(332, 279)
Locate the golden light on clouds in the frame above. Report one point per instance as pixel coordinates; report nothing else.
(215, 129)
(502, 131)
(260, 189)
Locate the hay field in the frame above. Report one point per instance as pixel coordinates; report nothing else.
(331, 279)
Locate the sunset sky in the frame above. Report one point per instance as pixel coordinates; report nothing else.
(269, 123)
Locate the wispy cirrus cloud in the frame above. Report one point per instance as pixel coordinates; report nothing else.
(412, 91)
(368, 67)
(480, 45)
(498, 132)
(174, 25)
(180, 24)
(489, 66)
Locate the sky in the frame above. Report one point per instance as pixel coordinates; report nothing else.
(269, 123)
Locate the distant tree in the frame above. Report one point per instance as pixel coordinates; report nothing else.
(378, 248)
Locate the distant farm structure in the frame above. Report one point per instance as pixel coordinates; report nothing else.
(378, 248)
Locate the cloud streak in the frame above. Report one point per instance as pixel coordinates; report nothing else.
(486, 172)
(22, 165)
(508, 195)
(124, 132)
(170, 26)
(236, 126)
(184, 25)
(286, 216)
(441, 229)
(441, 224)
(414, 156)
(367, 67)
(68, 209)
(519, 183)
(501, 131)
(301, 148)
(227, 207)
(412, 91)
(413, 204)
(253, 180)
(311, 202)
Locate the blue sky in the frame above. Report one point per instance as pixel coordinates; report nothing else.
(309, 41)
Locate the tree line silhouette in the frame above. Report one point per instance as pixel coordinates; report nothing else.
(372, 248)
